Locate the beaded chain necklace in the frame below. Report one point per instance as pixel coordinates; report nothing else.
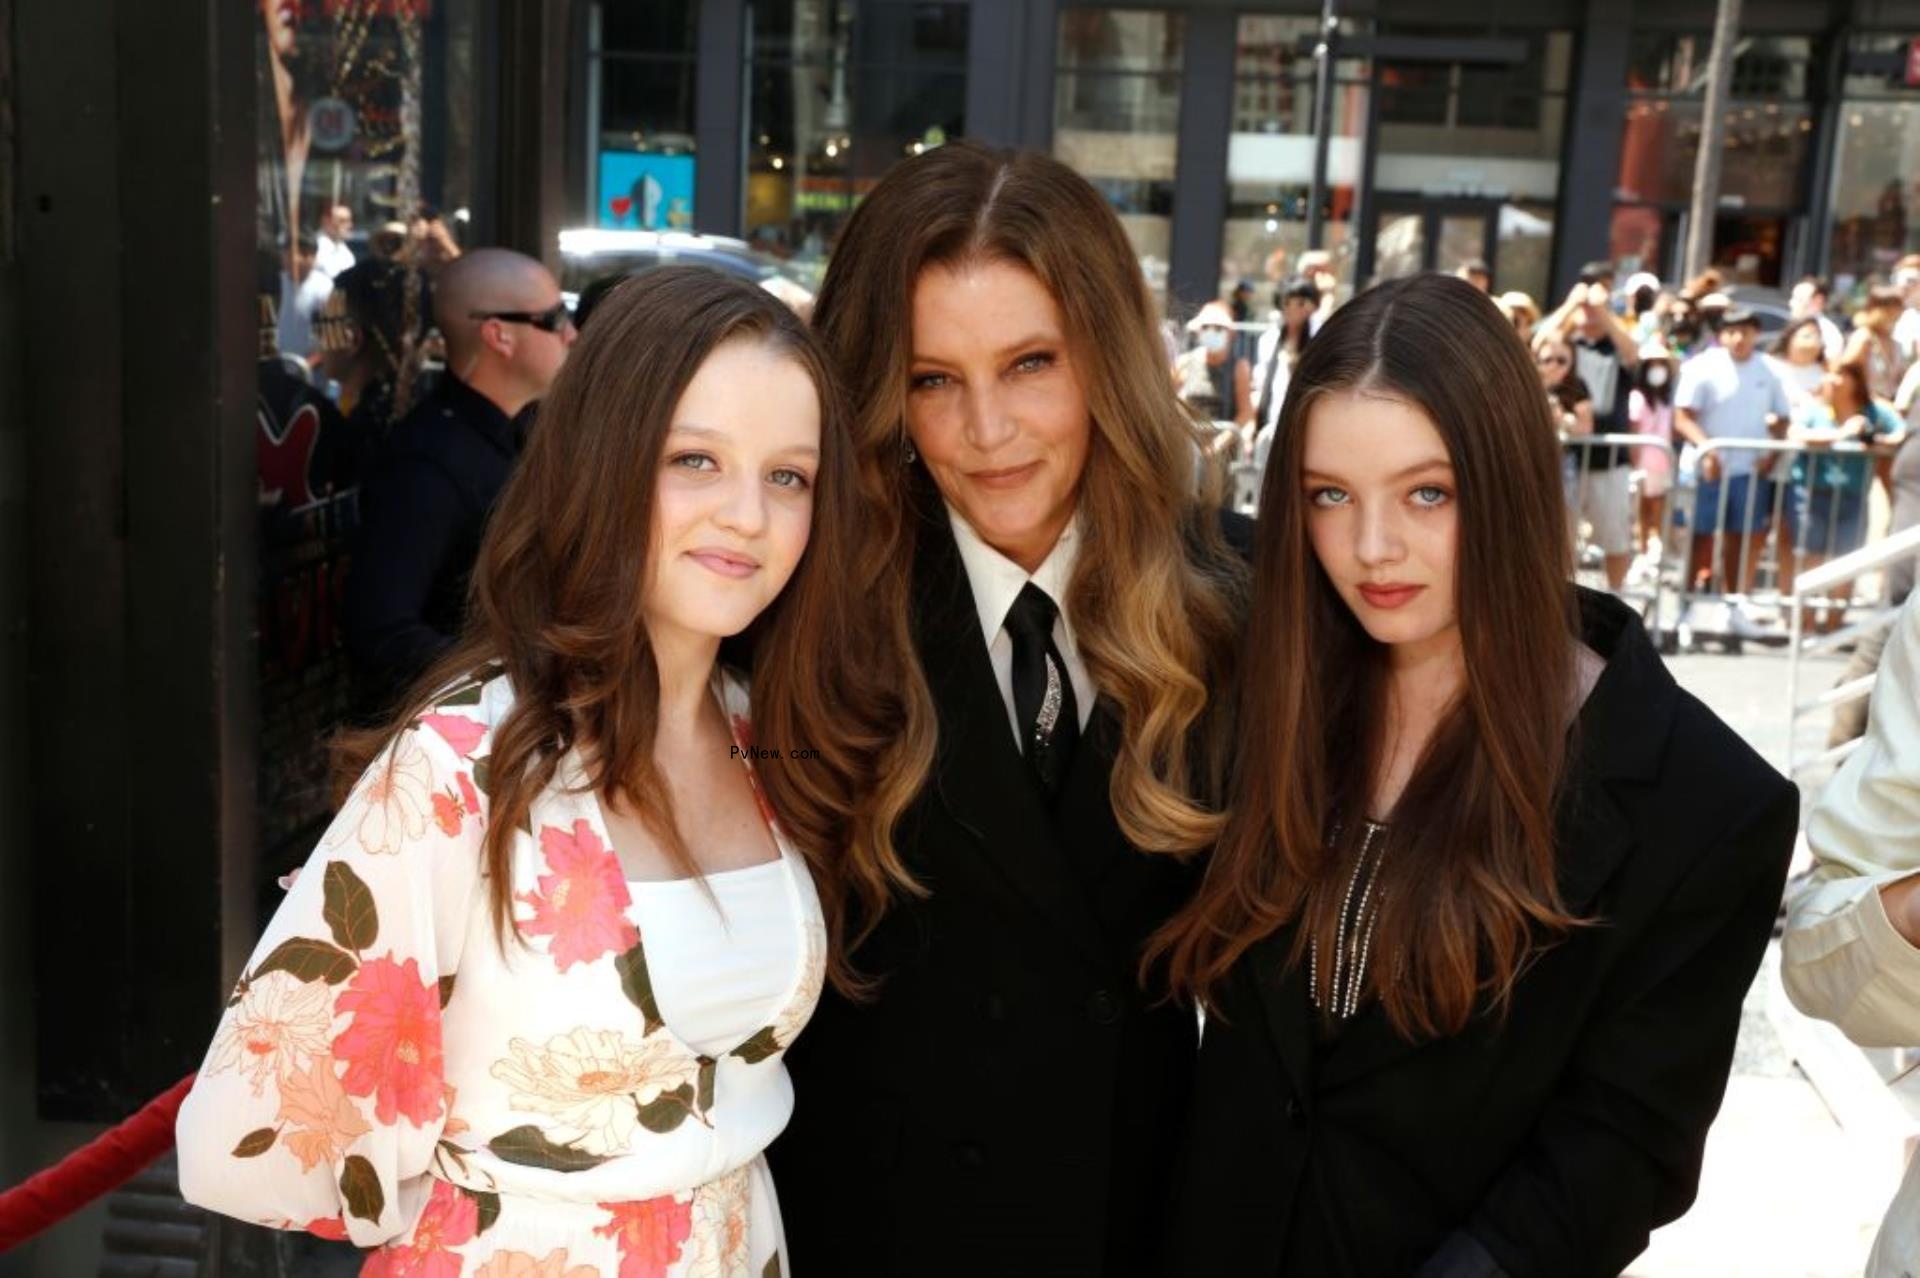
(1353, 939)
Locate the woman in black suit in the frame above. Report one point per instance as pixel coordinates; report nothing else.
(1004, 1098)
(1475, 941)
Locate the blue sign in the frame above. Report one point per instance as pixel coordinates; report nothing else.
(640, 192)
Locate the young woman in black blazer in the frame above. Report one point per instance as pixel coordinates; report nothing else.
(1474, 944)
(1005, 1099)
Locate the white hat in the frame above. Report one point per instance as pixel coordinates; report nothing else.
(1643, 279)
(1213, 313)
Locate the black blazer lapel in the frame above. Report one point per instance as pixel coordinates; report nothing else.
(1280, 993)
(980, 779)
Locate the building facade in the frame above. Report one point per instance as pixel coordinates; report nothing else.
(1534, 136)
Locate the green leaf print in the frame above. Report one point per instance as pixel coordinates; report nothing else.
(483, 774)
(488, 1205)
(360, 1186)
(256, 1142)
(638, 986)
(759, 1047)
(467, 696)
(772, 1267)
(350, 912)
(308, 960)
(529, 1147)
(446, 989)
(708, 1067)
(668, 1111)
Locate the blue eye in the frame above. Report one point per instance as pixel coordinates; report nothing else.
(1431, 495)
(1035, 362)
(789, 478)
(693, 461)
(926, 381)
(1327, 498)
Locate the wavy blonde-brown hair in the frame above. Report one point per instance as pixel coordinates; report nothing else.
(1155, 592)
(557, 600)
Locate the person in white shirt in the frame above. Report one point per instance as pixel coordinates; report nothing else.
(302, 294)
(1298, 301)
(1809, 301)
(1851, 953)
(331, 255)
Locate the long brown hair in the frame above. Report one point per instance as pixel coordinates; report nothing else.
(1155, 594)
(558, 588)
(1467, 875)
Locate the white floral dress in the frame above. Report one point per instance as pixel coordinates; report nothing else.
(384, 1073)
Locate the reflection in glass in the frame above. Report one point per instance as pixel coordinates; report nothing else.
(1399, 246)
(824, 127)
(1766, 152)
(1269, 178)
(1523, 250)
(1117, 129)
(1876, 190)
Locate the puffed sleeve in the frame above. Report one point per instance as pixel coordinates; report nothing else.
(1841, 958)
(322, 1098)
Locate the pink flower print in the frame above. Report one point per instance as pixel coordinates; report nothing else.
(280, 1023)
(449, 1220)
(460, 732)
(332, 1227)
(469, 797)
(520, 1264)
(582, 904)
(649, 1233)
(392, 1048)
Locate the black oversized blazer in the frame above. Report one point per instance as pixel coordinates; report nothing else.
(1552, 1143)
(1009, 1102)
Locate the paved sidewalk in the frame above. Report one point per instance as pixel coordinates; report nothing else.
(1786, 1191)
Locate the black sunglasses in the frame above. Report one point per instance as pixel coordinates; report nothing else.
(551, 320)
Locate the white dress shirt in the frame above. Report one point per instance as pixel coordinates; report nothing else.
(996, 582)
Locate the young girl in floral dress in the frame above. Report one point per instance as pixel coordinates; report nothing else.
(523, 1012)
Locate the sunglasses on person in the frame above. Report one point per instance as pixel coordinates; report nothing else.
(551, 320)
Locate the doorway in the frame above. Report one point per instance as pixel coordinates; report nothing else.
(1417, 233)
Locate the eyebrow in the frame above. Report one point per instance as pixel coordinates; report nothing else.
(708, 432)
(1432, 463)
(1024, 344)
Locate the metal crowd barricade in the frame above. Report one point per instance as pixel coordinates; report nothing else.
(1588, 496)
(1816, 583)
(1746, 588)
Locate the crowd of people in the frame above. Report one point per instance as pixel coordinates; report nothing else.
(1679, 367)
(843, 795)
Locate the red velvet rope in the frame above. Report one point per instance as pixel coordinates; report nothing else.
(48, 1197)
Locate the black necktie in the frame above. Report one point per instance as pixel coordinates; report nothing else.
(1042, 694)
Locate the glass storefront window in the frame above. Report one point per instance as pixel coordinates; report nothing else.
(1876, 191)
(641, 81)
(1766, 152)
(1116, 114)
(1270, 177)
(839, 93)
(1523, 250)
(364, 179)
(1676, 62)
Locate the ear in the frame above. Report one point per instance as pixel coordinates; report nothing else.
(497, 337)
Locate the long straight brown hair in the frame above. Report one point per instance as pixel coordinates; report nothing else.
(1155, 596)
(1466, 881)
(558, 589)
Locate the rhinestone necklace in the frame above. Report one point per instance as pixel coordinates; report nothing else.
(1353, 938)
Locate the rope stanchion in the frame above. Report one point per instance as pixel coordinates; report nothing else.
(48, 1197)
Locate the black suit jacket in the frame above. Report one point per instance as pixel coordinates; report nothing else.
(423, 511)
(1552, 1144)
(1009, 1102)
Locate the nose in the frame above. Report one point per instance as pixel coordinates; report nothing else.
(568, 331)
(742, 504)
(987, 424)
(1377, 539)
